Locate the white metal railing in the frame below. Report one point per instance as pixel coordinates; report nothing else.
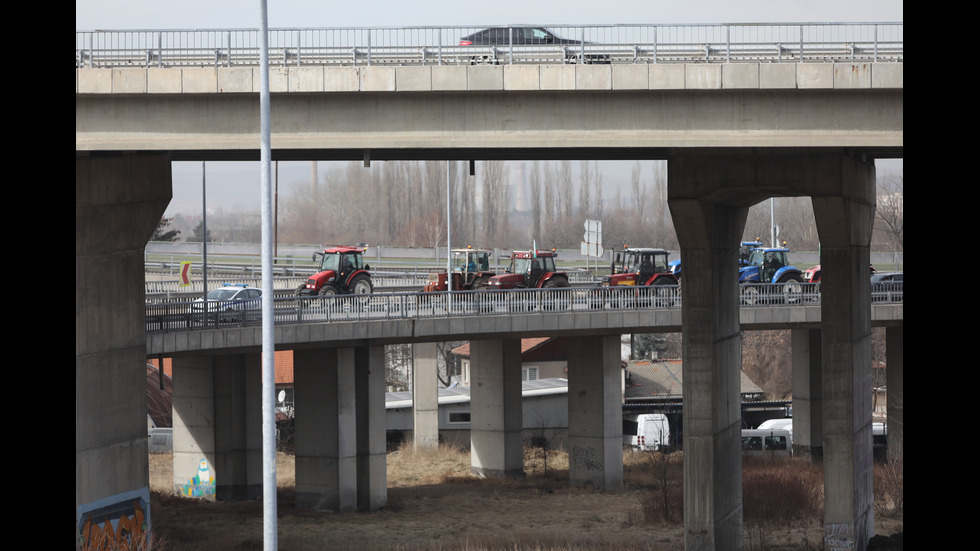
(181, 316)
(706, 43)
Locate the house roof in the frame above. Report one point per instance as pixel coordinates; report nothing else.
(527, 345)
(664, 379)
(158, 401)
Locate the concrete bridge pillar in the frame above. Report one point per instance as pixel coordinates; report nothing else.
(217, 414)
(496, 409)
(895, 383)
(844, 208)
(118, 202)
(326, 432)
(709, 234)
(425, 396)
(372, 473)
(194, 467)
(238, 426)
(807, 394)
(595, 412)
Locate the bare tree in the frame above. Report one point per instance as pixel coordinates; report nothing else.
(890, 212)
(534, 188)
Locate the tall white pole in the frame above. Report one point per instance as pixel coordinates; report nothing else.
(269, 508)
(449, 242)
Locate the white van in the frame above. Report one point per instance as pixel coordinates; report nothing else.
(161, 440)
(652, 432)
(766, 442)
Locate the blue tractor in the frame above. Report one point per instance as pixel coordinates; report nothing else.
(744, 250)
(768, 278)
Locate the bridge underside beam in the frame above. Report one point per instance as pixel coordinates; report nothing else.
(543, 124)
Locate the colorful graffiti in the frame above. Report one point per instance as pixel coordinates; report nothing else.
(202, 485)
(117, 522)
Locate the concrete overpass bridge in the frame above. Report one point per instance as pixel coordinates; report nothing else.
(733, 134)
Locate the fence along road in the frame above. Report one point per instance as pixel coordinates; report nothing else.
(618, 44)
(172, 316)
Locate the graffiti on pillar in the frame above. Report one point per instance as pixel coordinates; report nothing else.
(202, 485)
(586, 459)
(839, 537)
(116, 522)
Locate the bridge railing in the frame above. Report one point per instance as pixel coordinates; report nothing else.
(183, 316)
(187, 315)
(715, 43)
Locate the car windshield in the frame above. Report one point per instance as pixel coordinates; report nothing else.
(224, 293)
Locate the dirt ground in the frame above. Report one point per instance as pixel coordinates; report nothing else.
(433, 503)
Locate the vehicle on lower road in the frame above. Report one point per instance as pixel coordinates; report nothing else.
(341, 271)
(230, 302)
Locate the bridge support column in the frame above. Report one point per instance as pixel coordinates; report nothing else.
(194, 467)
(372, 474)
(118, 202)
(238, 426)
(326, 431)
(425, 396)
(709, 222)
(895, 384)
(496, 409)
(807, 394)
(595, 412)
(844, 210)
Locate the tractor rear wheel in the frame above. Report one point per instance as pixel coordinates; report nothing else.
(555, 300)
(792, 290)
(361, 285)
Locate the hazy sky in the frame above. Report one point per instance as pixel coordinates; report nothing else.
(199, 14)
(231, 184)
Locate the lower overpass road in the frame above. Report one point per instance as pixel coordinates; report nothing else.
(763, 309)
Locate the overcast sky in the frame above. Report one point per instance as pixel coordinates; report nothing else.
(199, 14)
(231, 184)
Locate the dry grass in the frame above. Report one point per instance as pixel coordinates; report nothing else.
(434, 503)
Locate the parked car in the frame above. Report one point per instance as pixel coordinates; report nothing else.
(230, 302)
(887, 287)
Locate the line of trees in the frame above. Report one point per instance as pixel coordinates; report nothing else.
(506, 205)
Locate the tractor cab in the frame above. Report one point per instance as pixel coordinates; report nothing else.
(745, 251)
(469, 265)
(640, 267)
(470, 272)
(768, 265)
(531, 269)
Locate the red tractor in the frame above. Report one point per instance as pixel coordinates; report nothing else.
(648, 271)
(531, 269)
(471, 272)
(640, 267)
(342, 272)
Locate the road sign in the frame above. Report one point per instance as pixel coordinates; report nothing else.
(185, 273)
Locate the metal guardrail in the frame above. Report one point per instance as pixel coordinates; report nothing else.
(397, 280)
(292, 47)
(181, 316)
